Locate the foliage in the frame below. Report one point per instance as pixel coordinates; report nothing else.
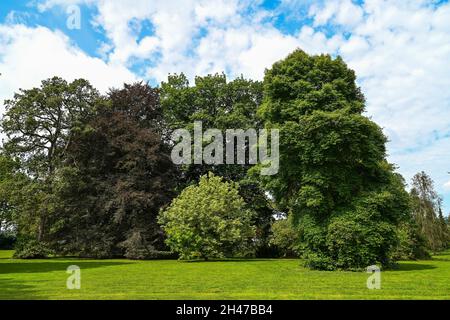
(411, 245)
(39, 124)
(285, 238)
(208, 220)
(29, 248)
(427, 213)
(8, 169)
(220, 105)
(333, 176)
(116, 177)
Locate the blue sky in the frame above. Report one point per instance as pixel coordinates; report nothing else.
(400, 51)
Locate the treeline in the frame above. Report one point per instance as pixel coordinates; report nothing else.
(90, 175)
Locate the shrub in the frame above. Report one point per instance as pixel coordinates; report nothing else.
(355, 241)
(30, 249)
(208, 220)
(137, 248)
(333, 177)
(411, 244)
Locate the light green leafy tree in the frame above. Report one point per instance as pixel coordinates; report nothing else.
(208, 220)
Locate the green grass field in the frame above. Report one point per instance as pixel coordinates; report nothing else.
(234, 279)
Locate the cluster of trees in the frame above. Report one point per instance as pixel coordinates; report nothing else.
(427, 215)
(90, 175)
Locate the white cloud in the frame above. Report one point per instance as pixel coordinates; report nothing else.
(342, 12)
(447, 185)
(29, 55)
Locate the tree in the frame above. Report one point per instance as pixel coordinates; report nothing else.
(208, 220)
(220, 104)
(334, 179)
(39, 124)
(411, 245)
(427, 211)
(116, 177)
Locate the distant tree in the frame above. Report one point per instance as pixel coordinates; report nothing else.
(208, 220)
(412, 244)
(427, 210)
(444, 230)
(117, 175)
(39, 124)
(334, 178)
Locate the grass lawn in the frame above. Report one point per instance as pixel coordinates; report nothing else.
(246, 279)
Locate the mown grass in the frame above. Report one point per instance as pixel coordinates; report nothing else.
(234, 279)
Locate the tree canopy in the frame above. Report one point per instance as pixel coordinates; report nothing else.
(333, 177)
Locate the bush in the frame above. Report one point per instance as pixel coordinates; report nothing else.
(208, 220)
(355, 241)
(411, 244)
(137, 248)
(31, 249)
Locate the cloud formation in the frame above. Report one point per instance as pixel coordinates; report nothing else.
(29, 55)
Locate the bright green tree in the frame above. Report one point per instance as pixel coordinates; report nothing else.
(333, 178)
(208, 220)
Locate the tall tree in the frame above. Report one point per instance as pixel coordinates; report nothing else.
(219, 104)
(39, 124)
(427, 210)
(117, 176)
(333, 176)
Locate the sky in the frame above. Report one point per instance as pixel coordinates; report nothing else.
(400, 51)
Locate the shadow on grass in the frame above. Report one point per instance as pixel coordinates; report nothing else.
(228, 260)
(44, 266)
(411, 266)
(12, 289)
